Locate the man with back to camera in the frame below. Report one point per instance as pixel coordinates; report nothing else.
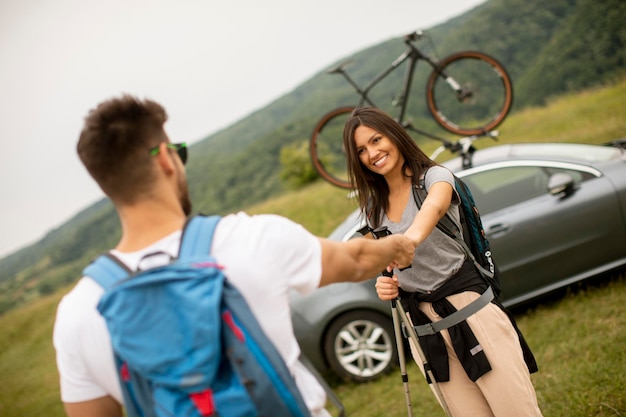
(124, 147)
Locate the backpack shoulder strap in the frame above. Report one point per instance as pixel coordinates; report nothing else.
(445, 224)
(106, 270)
(198, 236)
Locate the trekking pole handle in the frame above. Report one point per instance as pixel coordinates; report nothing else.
(378, 233)
(383, 231)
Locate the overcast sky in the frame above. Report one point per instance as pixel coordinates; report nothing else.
(209, 63)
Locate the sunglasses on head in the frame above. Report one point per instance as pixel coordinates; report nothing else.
(181, 149)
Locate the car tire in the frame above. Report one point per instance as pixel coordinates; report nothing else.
(360, 346)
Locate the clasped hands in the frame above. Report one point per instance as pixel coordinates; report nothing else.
(387, 286)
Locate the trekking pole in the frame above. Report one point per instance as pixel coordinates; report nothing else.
(430, 377)
(399, 318)
(377, 233)
(400, 346)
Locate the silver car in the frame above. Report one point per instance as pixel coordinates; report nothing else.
(555, 214)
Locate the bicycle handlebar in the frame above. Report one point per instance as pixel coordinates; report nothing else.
(408, 38)
(413, 36)
(339, 68)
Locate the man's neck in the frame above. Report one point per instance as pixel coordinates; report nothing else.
(144, 224)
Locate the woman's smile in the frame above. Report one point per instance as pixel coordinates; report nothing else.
(380, 162)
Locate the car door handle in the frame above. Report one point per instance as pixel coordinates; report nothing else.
(498, 229)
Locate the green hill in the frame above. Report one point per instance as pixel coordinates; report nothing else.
(549, 48)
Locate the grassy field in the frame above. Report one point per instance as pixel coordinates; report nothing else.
(579, 339)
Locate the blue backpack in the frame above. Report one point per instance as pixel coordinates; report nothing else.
(186, 342)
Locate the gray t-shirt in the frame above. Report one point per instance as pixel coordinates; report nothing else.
(438, 257)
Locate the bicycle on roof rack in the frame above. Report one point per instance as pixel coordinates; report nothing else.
(464, 147)
(468, 93)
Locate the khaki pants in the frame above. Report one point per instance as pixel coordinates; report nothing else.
(506, 390)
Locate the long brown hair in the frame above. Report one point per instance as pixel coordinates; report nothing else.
(372, 188)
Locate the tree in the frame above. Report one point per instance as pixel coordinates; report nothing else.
(297, 169)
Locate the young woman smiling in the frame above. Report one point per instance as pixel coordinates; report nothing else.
(482, 364)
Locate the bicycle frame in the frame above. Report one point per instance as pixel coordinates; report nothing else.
(413, 55)
(475, 113)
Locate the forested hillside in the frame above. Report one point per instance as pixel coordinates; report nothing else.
(547, 47)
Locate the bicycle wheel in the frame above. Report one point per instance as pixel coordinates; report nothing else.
(469, 93)
(326, 147)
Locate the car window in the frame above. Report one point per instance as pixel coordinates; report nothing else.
(578, 176)
(498, 188)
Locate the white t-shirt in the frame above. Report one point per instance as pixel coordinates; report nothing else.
(264, 256)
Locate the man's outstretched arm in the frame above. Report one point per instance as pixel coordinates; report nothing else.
(99, 407)
(361, 259)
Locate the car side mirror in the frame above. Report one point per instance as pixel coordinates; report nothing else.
(561, 184)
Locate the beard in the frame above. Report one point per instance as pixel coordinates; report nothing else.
(185, 201)
(183, 194)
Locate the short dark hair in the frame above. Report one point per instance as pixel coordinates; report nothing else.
(372, 187)
(115, 144)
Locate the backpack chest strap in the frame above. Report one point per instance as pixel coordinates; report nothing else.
(456, 317)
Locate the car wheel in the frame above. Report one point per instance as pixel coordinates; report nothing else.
(360, 345)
